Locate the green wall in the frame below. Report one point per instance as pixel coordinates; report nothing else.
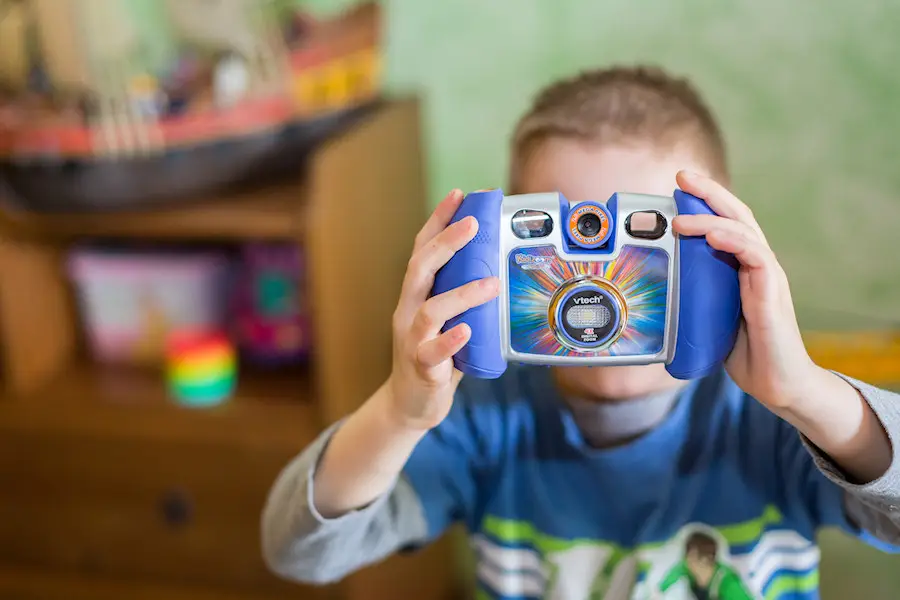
(807, 92)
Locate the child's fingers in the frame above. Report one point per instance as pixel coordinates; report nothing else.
(749, 252)
(436, 350)
(438, 220)
(729, 236)
(426, 262)
(436, 311)
(761, 275)
(698, 225)
(720, 200)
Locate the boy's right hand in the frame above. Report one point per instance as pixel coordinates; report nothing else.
(423, 378)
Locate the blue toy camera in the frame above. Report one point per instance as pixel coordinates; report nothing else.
(593, 284)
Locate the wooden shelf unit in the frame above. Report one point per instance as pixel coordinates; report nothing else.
(272, 213)
(269, 409)
(116, 491)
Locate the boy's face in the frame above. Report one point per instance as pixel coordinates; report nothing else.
(584, 171)
(702, 567)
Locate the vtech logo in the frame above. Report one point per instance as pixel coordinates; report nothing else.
(529, 259)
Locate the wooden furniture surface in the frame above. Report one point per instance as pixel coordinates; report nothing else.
(272, 213)
(109, 490)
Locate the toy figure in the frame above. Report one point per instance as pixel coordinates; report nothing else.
(232, 27)
(231, 80)
(201, 369)
(146, 96)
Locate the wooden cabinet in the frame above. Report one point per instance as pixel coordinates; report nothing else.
(109, 490)
(136, 507)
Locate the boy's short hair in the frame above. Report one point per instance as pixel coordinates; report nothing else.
(621, 105)
(702, 544)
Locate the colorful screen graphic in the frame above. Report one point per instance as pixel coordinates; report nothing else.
(640, 274)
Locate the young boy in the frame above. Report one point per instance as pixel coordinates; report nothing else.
(595, 483)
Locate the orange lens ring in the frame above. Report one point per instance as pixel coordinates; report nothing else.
(579, 212)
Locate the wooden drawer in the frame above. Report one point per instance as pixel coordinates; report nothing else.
(176, 511)
(17, 583)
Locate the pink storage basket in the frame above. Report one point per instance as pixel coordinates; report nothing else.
(130, 301)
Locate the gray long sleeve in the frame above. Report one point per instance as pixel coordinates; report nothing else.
(875, 506)
(301, 545)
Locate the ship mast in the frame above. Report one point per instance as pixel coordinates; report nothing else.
(123, 129)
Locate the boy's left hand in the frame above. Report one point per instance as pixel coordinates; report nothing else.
(769, 359)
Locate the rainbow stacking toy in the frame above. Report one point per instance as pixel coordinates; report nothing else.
(201, 368)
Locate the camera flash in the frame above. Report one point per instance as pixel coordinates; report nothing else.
(582, 317)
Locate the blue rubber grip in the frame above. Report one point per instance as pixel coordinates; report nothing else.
(710, 301)
(481, 357)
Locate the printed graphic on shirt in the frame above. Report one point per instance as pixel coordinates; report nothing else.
(754, 560)
(639, 274)
(696, 565)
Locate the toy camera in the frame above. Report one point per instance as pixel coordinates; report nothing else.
(594, 284)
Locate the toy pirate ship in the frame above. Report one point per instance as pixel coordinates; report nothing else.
(88, 123)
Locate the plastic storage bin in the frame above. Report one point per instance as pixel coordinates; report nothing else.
(131, 301)
(271, 320)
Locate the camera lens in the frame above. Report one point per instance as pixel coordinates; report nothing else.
(589, 225)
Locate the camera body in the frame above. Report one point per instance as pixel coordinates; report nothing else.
(593, 284)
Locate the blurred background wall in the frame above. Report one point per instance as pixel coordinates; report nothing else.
(806, 91)
(807, 94)
(807, 97)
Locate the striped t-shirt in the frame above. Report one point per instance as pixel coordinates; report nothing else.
(721, 500)
(718, 500)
